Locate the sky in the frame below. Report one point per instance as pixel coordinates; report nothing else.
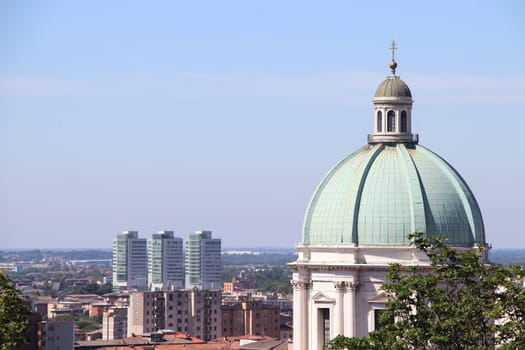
(225, 115)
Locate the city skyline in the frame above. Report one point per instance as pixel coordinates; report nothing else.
(225, 116)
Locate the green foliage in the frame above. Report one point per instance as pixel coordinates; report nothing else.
(13, 315)
(91, 288)
(270, 279)
(459, 302)
(274, 280)
(88, 324)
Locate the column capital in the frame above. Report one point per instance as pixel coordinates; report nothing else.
(352, 285)
(345, 285)
(340, 285)
(301, 285)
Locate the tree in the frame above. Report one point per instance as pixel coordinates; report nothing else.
(13, 315)
(458, 302)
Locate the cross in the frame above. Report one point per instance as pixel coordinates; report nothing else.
(393, 48)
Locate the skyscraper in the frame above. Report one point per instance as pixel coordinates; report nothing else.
(130, 261)
(203, 261)
(166, 261)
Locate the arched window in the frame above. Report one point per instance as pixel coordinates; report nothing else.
(379, 121)
(403, 121)
(391, 121)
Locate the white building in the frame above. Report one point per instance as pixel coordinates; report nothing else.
(130, 261)
(165, 261)
(359, 218)
(203, 261)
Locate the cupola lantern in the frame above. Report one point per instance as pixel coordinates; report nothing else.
(393, 109)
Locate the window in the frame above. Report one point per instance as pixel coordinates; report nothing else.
(325, 327)
(379, 121)
(391, 121)
(403, 121)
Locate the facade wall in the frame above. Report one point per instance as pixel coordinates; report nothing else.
(130, 261)
(333, 298)
(251, 318)
(203, 261)
(165, 261)
(190, 311)
(233, 320)
(55, 335)
(115, 323)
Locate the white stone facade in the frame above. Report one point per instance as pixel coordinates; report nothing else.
(337, 290)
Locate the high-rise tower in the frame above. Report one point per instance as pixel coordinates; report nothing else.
(203, 261)
(166, 261)
(130, 261)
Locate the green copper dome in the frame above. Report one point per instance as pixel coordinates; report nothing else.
(383, 192)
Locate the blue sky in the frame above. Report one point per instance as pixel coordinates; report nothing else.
(225, 115)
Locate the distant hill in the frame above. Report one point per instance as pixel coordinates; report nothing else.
(507, 256)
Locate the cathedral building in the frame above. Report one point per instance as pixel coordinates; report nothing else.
(360, 216)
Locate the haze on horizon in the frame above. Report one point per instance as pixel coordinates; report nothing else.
(225, 116)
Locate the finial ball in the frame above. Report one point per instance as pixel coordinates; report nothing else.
(393, 64)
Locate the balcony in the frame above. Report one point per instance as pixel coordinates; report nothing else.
(394, 138)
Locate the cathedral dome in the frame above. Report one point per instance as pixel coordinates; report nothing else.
(393, 87)
(383, 192)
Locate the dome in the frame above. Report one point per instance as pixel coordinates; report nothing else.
(383, 192)
(393, 87)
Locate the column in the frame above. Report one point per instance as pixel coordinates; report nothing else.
(300, 315)
(339, 311)
(351, 287)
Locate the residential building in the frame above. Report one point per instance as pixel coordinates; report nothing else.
(130, 262)
(64, 308)
(115, 323)
(203, 261)
(239, 285)
(251, 317)
(56, 335)
(165, 261)
(195, 312)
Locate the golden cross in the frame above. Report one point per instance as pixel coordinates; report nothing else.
(393, 48)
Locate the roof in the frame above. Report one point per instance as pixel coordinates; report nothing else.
(179, 341)
(383, 192)
(393, 86)
(267, 344)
